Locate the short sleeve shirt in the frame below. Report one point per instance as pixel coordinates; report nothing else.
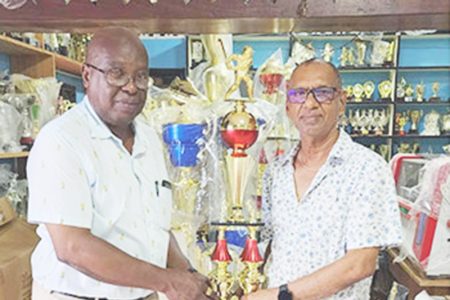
(350, 204)
(81, 175)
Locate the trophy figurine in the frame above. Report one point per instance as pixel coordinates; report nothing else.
(327, 53)
(402, 120)
(401, 89)
(239, 131)
(360, 52)
(241, 68)
(420, 91)
(383, 149)
(446, 123)
(351, 57)
(385, 90)
(409, 92)
(389, 58)
(349, 92)
(435, 88)
(431, 124)
(220, 279)
(369, 88)
(358, 92)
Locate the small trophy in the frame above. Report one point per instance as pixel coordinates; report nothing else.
(420, 91)
(351, 57)
(385, 90)
(360, 53)
(379, 50)
(327, 53)
(389, 58)
(358, 92)
(344, 57)
(435, 88)
(349, 92)
(402, 120)
(431, 124)
(401, 89)
(383, 149)
(446, 123)
(403, 148)
(369, 88)
(409, 92)
(415, 118)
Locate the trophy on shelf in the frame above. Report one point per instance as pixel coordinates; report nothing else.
(379, 50)
(435, 89)
(344, 57)
(383, 149)
(358, 92)
(361, 48)
(446, 123)
(404, 148)
(390, 54)
(369, 88)
(431, 124)
(349, 92)
(385, 90)
(271, 77)
(420, 91)
(401, 90)
(327, 53)
(401, 122)
(409, 92)
(351, 57)
(414, 117)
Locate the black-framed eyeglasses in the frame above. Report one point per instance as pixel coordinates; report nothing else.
(119, 78)
(324, 94)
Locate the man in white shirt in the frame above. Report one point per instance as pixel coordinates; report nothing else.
(329, 204)
(100, 193)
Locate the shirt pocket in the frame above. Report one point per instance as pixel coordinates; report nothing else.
(164, 205)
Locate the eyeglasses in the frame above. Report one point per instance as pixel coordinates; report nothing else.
(323, 94)
(118, 78)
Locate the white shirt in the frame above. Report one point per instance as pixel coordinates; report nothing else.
(350, 204)
(81, 175)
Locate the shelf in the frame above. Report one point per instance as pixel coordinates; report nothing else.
(445, 103)
(366, 69)
(371, 103)
(424, 68)
(370, 136)
(24, 56)
(13, 155)
(415, 136)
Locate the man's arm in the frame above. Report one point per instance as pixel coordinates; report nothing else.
(176, 258)
(98, 259)
(354, 266)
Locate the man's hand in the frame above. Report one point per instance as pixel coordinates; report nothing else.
(184, 285)
(267, 294)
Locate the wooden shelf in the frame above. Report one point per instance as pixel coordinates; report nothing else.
(36, 62)
(13, 155)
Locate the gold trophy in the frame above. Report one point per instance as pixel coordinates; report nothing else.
(328, 52)
(358, 92)
(239, 132)
(217, 77)
(409, 92)
(420, 91)
(402, 120)
(241, 68)
(349, 92)
(344, 57)
(390, 54)
(369, 88)
(415, 118)
(360, 52)
(351, 57)
(435, 88)
(385, 90)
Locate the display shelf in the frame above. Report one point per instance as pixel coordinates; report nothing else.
(371, 103)
(426, 103)
(12, 155)
(424, 68)
(36, 62)
(366, 69)
(418, 136)
(371, 136)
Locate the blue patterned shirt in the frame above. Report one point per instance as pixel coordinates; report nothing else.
(350, 204)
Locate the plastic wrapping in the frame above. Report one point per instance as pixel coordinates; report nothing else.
(425, 226)
(9, 128)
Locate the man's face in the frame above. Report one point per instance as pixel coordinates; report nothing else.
(314, 119)
(116, 106)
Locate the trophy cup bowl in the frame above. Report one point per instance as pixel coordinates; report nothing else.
(271, 82)
(182, 141)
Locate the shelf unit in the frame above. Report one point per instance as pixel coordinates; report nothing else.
(13, 155)
(36, 62)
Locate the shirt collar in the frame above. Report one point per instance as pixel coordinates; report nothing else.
(337, 153)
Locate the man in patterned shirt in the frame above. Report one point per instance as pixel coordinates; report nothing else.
(329, 204)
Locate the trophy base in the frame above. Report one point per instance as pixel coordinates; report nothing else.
(236, 216)
(435, 99)
(386, 99)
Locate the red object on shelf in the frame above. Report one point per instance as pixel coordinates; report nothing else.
(221, 251)
(271, 82)
(239, 140)
(251, 252)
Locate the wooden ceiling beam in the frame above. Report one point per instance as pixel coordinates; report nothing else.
(223, 16)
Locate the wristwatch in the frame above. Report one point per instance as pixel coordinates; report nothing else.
(284, 293)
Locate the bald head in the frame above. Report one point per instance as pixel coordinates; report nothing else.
(113, 41)
(322, 64)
